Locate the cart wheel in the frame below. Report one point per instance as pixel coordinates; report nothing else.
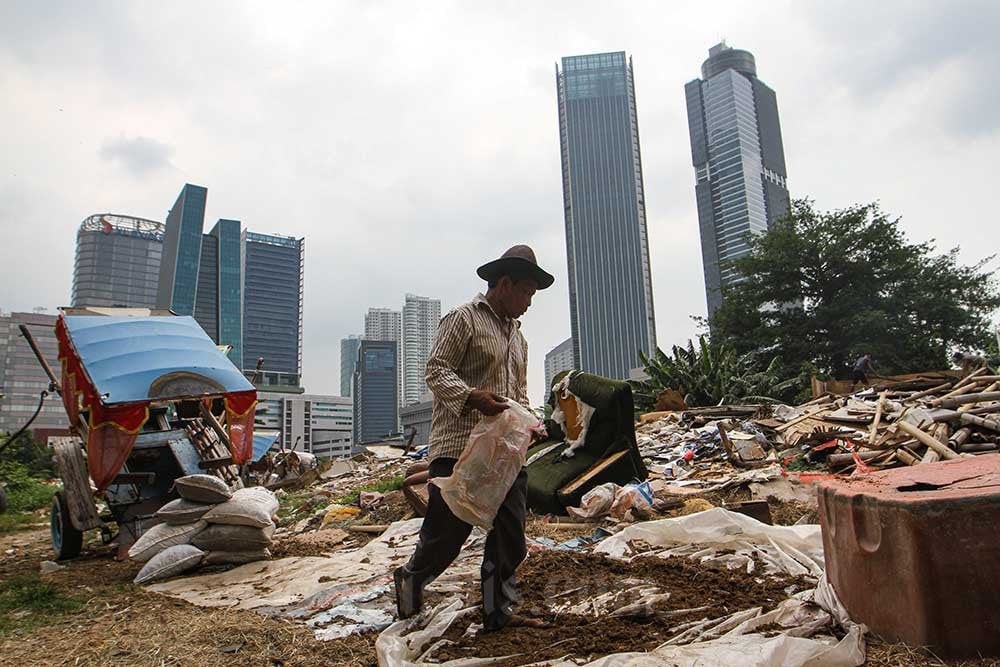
(66, 540)
(3, 499)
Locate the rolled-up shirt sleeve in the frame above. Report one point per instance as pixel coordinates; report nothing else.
(453, 336)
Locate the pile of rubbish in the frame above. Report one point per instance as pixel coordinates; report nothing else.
(925, 418)
(208, 525)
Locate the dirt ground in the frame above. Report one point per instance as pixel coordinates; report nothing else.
(116, 623)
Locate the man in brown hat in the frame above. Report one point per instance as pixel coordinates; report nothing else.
(479, 360)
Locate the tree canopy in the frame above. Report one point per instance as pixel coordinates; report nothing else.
(821, 289)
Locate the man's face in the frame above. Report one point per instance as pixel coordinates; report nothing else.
(516, 296)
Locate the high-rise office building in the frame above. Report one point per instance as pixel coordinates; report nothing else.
(348, 362)
(22, 378)
(117, 262)
(610, 290)
(421, 316)
(558, 359)
(386, 324)
(218, 306)
(376, 401)
(178, 284)
(273, 270)
(739, 161)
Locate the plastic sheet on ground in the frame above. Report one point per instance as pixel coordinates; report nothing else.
(807, 619)
(348, 592)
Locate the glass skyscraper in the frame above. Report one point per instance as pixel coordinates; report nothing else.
(178, 285)
(348, 363)
(117, 262)
(739, 161)
(610, 290)
(272, 307)
(218, 304)
(376, 398)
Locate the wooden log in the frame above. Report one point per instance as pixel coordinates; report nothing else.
(928, 440)
(377, 529)
(979, 447)
(940, 432)
(979, 397)
(907, 457)
(929, 392)
(976, 420)
(878, 418)
(959, 437)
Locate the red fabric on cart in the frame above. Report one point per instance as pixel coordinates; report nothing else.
(240, 408)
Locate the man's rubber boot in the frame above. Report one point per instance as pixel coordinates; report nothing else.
(408, 596)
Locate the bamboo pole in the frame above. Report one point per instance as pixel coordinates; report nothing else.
(878, 418)
(930, 441)
(991, 424)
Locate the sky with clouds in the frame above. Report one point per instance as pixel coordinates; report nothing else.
(410, 142)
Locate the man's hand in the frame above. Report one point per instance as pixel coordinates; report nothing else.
(486, 402)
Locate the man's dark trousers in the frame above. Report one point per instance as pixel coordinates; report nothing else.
(443, 534)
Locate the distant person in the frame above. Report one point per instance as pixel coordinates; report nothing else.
(969, 362)
(863, 367)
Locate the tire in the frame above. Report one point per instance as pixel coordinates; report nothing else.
(67, 541)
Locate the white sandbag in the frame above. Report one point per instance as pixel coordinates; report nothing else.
(171, 561)
(224, 537)
(181, 511)
(203, 489)
(248, 507)
(235, 557)
(161, 536)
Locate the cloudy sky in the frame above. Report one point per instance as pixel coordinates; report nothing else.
(409, 142)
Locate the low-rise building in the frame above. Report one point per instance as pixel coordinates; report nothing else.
(22, 378)
(416, 418)
(319, 424)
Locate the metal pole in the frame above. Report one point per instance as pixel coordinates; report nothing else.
(54, 386)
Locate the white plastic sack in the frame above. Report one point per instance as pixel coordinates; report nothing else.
(632, 496)
(203, 488)
(169, 562)
(181, 511)
(161, 536)
(596, 502)
(252, 506)
(488, 465)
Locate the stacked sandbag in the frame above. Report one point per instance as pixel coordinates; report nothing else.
(208, 525)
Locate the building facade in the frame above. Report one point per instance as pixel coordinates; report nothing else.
(416, 420)
(386, 324)
(610, 288)
(218, 304)
(739, 162)
(117, 262)
(558, 359)
(376, 397)
(22, 378)
(421, 316)
(348, 363)
(178, 283)
(321, 425)
(273, 270)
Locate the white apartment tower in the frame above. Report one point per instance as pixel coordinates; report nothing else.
(420, 323)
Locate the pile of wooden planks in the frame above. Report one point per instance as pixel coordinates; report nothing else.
(907, 424)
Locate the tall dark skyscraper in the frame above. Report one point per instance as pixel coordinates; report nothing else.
(376, 397)
(610, 290)
(272, 307)
(739, 161)
(117, 262)
(218, 304)
(178, 286)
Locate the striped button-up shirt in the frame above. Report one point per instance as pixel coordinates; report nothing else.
(475, 349)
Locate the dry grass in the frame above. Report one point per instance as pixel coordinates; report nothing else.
(884, 654)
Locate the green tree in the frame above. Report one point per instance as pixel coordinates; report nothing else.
(820, 289)
(710, 373)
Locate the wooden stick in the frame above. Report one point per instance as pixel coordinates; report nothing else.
(928, 392)
(928, 440)
(800, 418)
(959, 437)
(991, 424)
(378, 529)
(904, 455)
(969, 406)
(941, 433)
(979, 447)
(963, 387)
(878, 418)
(956, 401)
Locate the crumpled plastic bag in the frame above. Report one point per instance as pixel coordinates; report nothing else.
(596, 502)
(488, 466)
(631, 497)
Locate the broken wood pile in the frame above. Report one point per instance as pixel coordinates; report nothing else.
(919, 421)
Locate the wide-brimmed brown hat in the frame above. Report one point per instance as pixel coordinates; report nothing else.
(518, 262)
